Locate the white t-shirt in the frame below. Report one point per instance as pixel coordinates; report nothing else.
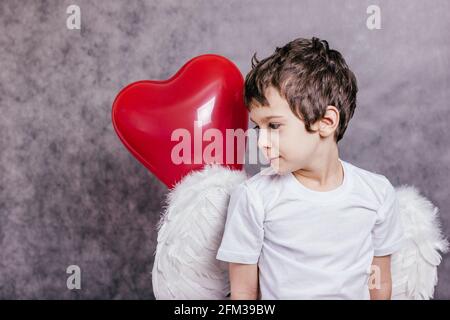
(310, 244)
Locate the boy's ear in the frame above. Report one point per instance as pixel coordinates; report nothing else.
(329, 123)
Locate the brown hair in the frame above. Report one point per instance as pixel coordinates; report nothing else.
(310, 76)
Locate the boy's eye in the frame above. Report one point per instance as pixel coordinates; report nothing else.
(271, 125)
(274, 125)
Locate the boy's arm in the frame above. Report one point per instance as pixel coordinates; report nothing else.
(380, 287)
(243, 281)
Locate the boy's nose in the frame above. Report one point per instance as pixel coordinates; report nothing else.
(268, 143)
(264, 143)
(263, 139)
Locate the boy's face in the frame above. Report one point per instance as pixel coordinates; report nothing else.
(283, 138)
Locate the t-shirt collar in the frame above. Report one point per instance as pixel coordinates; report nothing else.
(322, 196)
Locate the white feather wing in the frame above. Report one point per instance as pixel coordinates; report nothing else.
(191, 227)
(189, 235)
(414, 267)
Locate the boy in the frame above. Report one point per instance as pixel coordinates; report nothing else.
(311, 226)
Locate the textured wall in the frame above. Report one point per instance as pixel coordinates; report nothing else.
(71, 194)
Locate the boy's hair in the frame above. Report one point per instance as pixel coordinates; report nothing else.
(310, 76)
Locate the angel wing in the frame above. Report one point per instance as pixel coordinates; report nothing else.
(189, 235)
(414, 267)
(191, 227)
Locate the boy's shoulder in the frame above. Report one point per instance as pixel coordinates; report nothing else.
(370, 185)
(370, 181)
(263, 179)
(370, 178)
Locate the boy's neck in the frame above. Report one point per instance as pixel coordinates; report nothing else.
(324, 172)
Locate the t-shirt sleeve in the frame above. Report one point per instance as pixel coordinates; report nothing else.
(388, 232)
(243, 233)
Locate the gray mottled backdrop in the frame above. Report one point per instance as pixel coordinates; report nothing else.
(70, 193)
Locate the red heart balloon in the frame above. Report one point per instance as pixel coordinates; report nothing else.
(154, 119)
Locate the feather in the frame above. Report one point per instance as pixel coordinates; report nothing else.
(414, 266)
(192, 223)
(189, 234)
